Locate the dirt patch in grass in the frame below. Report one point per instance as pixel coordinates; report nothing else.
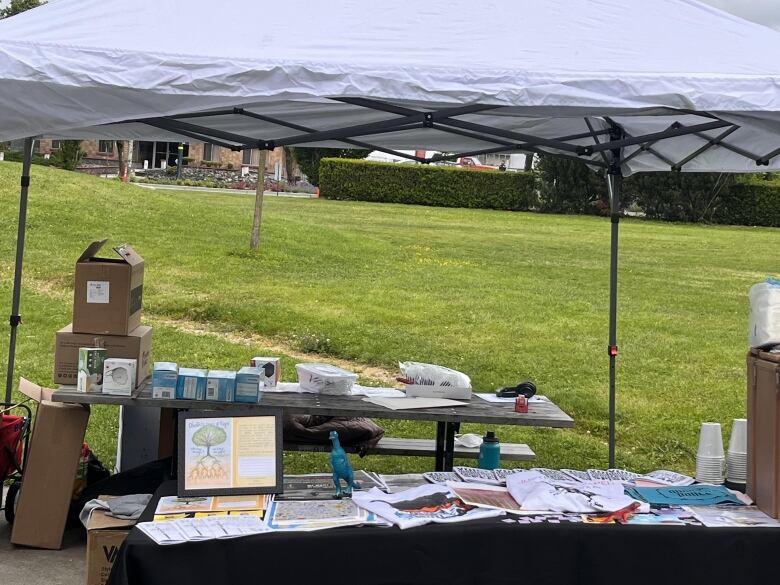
(273, 346)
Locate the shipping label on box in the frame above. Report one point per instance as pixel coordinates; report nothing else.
(248, 381)
(105, 536)
(191, 384)
(272, 370)
(220, 385)
(164, 378)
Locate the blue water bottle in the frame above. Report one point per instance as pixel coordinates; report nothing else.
(490, 452)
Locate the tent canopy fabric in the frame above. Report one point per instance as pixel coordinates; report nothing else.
(551, 75)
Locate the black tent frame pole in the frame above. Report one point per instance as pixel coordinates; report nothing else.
(615, 184)
(16, 318)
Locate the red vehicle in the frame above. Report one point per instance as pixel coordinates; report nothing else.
(471, 162)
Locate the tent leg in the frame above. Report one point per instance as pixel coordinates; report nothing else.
(16, 319)
(614, 183)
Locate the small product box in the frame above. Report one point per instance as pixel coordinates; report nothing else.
(272, 370)
(119, 376)
(164, 378)
(221, 385)
(191, 384)
(248, 383)
(90, 376)
(325, 379)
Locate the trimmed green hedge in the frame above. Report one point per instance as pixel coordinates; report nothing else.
(426, 185)
(749, 203)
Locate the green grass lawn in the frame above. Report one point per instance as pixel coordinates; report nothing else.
(501, 296)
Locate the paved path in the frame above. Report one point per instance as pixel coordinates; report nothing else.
(26, 566)
(156, 187)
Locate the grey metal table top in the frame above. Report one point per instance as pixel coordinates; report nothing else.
(540, 414)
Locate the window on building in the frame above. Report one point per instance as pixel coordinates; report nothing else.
(106, 146)
(210, 152)
(250, 156)
(55, 144)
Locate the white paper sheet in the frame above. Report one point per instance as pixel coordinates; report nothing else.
(491, 397)
(413, 402)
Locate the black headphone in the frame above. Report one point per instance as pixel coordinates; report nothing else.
(526, 388)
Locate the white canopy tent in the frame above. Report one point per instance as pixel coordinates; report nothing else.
(624, 85)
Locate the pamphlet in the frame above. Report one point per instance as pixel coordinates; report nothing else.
(421, 505)
(486, 496)
(730, 515)
(196, 529)
(229, 452)
(221, 504)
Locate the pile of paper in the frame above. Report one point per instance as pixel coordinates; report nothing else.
(208, 528)
(310, 515)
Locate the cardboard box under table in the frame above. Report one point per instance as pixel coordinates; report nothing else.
(47, 485)
(137, 345)
(105, 535)
(108, 292)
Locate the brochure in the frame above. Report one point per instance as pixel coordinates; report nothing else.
(485, 496)
(196, 529)
(730, 515)
(171, 505)
(421, 505)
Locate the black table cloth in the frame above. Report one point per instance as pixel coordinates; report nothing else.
(485, 552)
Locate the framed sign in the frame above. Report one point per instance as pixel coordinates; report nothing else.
(230, 452)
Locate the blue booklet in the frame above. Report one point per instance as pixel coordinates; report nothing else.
(691, 495)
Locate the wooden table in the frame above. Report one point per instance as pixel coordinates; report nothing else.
(540, 414)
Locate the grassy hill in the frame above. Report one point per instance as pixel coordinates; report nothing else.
(501, 296)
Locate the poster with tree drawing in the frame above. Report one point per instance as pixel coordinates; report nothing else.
(209, 453)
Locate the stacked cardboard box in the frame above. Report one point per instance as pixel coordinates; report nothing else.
(107, 297)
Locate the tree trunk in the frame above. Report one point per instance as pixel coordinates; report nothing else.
(258, 219)
(129, 160)
(289, 161)
(529, 162)
(120, 155)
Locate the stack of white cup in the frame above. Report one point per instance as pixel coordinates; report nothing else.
(710, 459)
(737, 455)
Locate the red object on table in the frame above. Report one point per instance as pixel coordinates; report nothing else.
(521, 404)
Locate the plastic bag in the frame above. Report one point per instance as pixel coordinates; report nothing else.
(764, 314)
(433, 375)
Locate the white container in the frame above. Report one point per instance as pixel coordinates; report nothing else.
(764, 328)
(119, 376)
(738, 439)
(710, 441)
(325, 379)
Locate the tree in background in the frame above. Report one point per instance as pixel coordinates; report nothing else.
(568, 186)
(17, 6)
(69, 155)
(308, 159)
(678, 196)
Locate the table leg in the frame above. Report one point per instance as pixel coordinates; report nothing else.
(441, 430)
(449, 445)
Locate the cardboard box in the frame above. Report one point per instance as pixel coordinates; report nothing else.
(137, 345)
(191, 384)
(108, 292)
(47, 486)
(248, 383)
(221, 385)
(763, 414)
(104, 537)
(164, 378)
(272, 367)
(119, 376)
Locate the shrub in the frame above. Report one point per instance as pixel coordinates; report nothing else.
(749, 203)
(69, 155)
(425, 185)
(229, 166)
(308, 159)
(679, 196)
(570, 186)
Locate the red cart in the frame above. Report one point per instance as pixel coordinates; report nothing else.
(14, 438)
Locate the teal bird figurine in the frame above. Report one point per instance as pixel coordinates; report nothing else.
(341, 467)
